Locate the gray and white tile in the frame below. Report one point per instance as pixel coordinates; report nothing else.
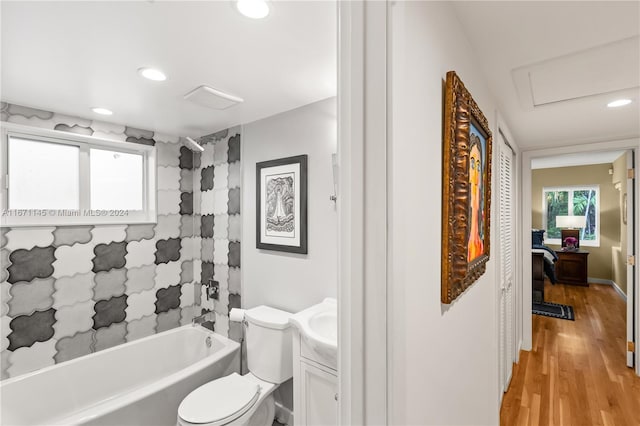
(75, 259)
(28, 297)
(168, 274)
(140, 305)
(74, 319)
(28, 238)
(106, 234)
(28, 359)
(72, 290)
(143, 327)
(140, 279)
(140, 253)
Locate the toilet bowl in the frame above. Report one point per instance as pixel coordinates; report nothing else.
(233, 400)
(236, 400)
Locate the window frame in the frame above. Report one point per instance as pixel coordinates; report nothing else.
(85, 216)
(571, 189)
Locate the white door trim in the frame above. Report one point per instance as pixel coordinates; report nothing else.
(525, 239)
(362, 212)
(631, 289)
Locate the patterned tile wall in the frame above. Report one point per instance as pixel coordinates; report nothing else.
(69, 291)
(217, 215)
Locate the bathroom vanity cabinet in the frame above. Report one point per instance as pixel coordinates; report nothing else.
(315, 385)
(318, 395)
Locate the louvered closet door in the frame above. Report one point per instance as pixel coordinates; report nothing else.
(506, 231)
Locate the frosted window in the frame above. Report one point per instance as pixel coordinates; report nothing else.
(117, 180)
(43, 175)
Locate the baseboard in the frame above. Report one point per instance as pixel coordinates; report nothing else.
(283, 414)
(619, 291)
(611, 283)
(599, 281)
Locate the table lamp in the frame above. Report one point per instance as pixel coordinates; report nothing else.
(570, 227)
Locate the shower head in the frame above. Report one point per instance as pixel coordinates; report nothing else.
(193, 145)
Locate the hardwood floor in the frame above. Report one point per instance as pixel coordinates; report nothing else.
(576, 373)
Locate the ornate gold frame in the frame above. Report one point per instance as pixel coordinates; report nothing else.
(460, 110)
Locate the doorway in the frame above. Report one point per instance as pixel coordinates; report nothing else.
(588, 355)
(631, 272)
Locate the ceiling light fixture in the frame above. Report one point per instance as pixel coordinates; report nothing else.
(255, 9)
(102, 111)
(619, 103)
(152, 74)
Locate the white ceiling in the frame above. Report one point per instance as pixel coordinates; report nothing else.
(70, 56)
(553, 67)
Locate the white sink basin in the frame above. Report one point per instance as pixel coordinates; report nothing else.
(318, 326)
(324, 325)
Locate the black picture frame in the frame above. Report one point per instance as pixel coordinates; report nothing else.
(281, 204)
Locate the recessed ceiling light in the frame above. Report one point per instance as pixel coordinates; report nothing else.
(102, 111)
(255, 9)
(619, 103)
(152, 74)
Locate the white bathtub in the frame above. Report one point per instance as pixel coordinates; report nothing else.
(138, 383)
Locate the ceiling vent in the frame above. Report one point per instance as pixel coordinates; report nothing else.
(600, 71)
(212, 98)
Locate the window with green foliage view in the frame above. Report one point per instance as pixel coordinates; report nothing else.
(572, 201)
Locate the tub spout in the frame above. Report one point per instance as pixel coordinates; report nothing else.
(200, 319)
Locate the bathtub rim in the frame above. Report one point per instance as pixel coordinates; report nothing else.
(132, 395)
(225, 340)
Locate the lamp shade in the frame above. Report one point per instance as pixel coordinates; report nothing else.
(571, 221)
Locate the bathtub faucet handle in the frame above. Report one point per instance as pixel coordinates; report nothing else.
(213, 290)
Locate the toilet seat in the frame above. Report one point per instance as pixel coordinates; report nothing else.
(220, 401)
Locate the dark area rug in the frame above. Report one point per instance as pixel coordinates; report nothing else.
(554, 310)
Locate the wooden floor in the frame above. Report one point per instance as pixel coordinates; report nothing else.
(576, 374)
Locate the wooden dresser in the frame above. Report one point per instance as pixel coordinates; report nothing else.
(537, 277)
(571, 267)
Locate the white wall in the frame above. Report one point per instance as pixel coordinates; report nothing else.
(284, 280)
(443, 358)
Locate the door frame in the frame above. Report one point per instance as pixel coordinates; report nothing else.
(527, 156)
(362, 213)
(502, 127)
(631, 231)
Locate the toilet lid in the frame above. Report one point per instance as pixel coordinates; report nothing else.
(219, 401)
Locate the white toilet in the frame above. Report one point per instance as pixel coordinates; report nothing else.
(247, 400)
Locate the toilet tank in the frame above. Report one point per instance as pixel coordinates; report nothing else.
(269, 340)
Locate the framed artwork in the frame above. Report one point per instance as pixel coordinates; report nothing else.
(281, 204)
(466, 190)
